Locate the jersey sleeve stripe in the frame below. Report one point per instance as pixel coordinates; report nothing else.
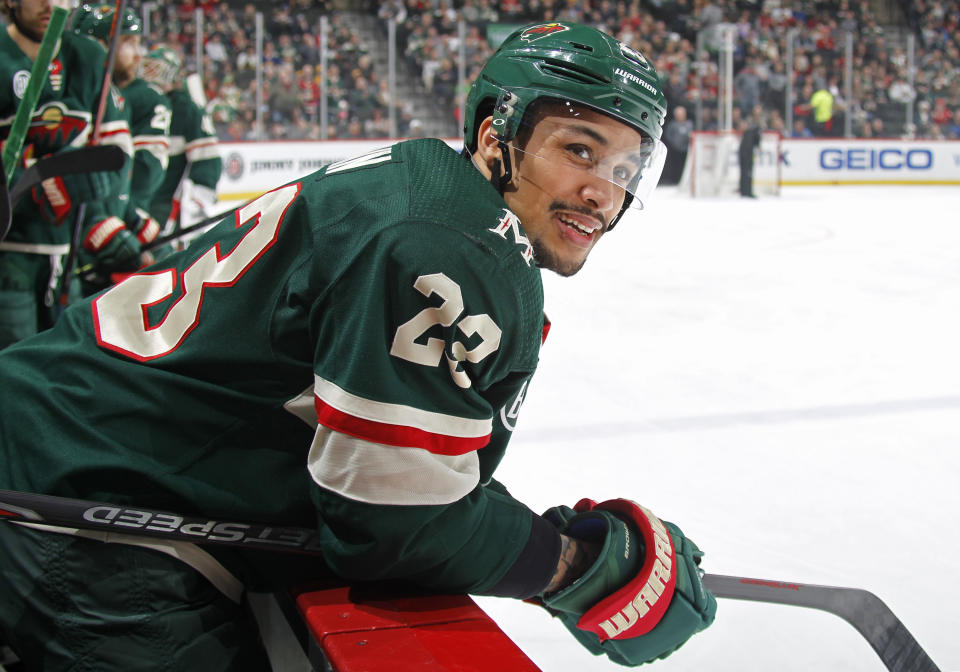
(389, 475)
(118, 134)
(396, 424)
(158, 140)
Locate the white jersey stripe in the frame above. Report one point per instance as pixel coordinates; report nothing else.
(389, 475)
(398, 414)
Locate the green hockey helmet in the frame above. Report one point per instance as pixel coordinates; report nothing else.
(161, 66)
(96, 21)
(579, 67)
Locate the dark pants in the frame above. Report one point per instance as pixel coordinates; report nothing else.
(68, 603)
(746, 174)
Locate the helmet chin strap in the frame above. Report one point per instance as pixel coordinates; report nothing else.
(498, 180)
(627, 200)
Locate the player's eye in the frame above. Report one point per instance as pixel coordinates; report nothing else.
(580, 152)
(622, 174)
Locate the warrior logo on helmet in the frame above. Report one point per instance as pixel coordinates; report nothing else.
(544, 29)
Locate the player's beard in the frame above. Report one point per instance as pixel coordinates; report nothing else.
(25, 30)
(123, 76)
(550, 261)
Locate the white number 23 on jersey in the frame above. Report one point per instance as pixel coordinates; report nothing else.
(430, 353)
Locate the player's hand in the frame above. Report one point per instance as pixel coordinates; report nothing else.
(643, 597)
(56, 196)
(116, 247)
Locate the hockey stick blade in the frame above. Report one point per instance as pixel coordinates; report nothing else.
(873, 619)
(25, 507)
(87, 159)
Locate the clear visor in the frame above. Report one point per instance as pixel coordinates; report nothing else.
(580, 143)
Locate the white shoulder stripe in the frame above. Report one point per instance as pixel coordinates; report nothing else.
(398, 414)
(389, 475)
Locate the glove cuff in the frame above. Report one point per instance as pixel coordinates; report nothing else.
(57, 196)
(148, 230)
(102, 233)
(637, 607)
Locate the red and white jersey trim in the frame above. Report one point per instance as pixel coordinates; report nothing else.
(397, 424)
(389, 475)
(117, 133)
(157, 145)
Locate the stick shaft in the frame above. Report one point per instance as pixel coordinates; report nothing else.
(64, 512)
(67, 275)
(38, 77)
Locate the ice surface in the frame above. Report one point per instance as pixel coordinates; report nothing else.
(781, 378)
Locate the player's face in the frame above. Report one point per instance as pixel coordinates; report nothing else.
(127, 60)
(33, 17)
(567, 188)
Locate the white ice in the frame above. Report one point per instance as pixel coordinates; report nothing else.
(780, 378)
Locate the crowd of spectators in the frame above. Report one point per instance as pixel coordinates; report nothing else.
(359, 102)
(357, 96)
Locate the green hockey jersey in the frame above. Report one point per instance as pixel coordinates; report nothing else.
(193, 153)
(150, 115)
(61, 121)
(347, 351)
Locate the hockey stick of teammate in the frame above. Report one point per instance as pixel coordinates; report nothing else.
(873, 619)
(66, 278)
(6, 208)
(866, 612)
(86, 159)
(38, 77)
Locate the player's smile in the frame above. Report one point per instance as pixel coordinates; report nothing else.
(578, 228)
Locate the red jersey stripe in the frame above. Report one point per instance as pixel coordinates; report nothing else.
(395, 435)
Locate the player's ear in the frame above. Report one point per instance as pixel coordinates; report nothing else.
(488, 149)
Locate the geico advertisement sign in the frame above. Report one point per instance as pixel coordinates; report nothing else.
(872, 159)
(839, 161)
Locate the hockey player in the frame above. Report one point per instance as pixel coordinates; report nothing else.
(31, 256)
(188, 193)
(349, 352)
(148, 112)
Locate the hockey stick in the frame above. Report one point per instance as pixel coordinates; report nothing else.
(866, 612)
(873, 619)
(38, 77)
(88, 159)
(66, 277)
(75, 513)
(5, 208)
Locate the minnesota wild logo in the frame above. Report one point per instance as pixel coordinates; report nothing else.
(544, 29)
